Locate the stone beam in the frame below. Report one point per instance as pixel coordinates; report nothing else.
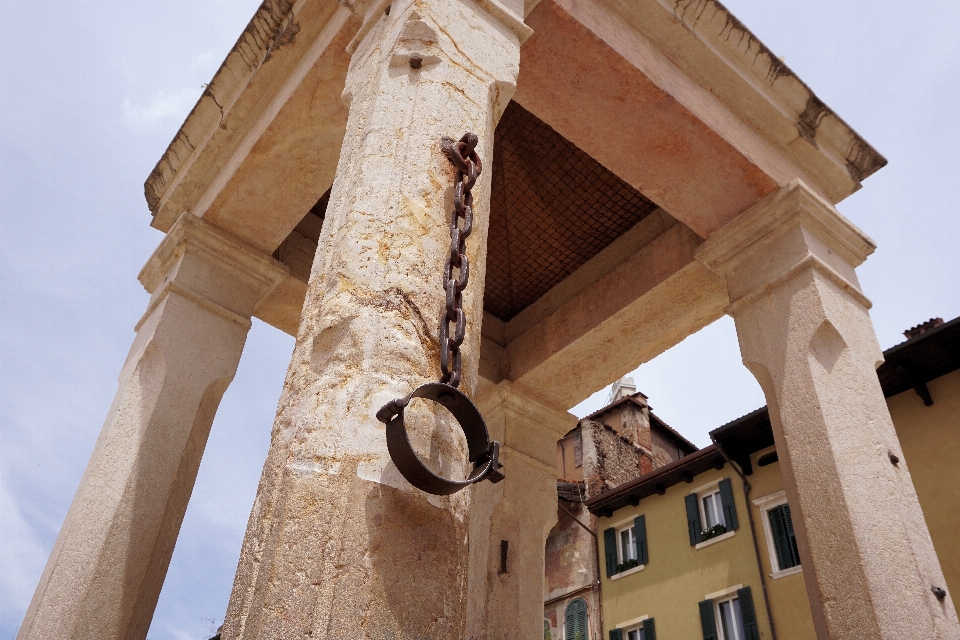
(682, 111)
(638, 297)
(261, 145)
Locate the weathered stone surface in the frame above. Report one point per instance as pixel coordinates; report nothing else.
(104, 575)
(339, 545)
(520, 511)
(806, 335)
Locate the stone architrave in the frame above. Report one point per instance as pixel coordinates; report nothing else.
(107, 567)
(521, 512)
(338, 544)
(805, 333)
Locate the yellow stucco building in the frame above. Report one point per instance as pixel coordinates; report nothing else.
(704, 547)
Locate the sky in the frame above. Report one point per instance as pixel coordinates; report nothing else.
(92, 92)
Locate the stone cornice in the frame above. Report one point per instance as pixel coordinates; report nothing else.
(751, 254)
(192, 233)
(793, 204)
(260, 66)
(717, 51)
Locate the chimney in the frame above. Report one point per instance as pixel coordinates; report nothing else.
(921, 329)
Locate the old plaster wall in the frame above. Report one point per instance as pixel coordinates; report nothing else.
(930, 437)
(571, 570)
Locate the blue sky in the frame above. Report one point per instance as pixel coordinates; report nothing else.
(92, 92)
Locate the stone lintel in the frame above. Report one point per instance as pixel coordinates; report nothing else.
(261, 145)
(781, 235)
(643, 305)
(243, 274)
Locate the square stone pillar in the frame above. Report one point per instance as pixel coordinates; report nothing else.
(504, 605)
(104, 575)
(338, 544)
(805, 333)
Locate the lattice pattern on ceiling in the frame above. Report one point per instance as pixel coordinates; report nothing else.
(552, 208)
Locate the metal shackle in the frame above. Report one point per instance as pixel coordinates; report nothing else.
(483, 453)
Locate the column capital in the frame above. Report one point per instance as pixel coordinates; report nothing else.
(371, 11)
(527, 404)
(786, 232)
(230, 278)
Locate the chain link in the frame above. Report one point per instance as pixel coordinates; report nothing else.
(464, 157)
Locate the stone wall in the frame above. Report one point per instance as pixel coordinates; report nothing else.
(609, 459)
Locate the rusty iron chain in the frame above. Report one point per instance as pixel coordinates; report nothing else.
(464, 157)
(482, 452)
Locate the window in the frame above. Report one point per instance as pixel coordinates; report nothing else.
(642, 629)
(729, 616)
(626, 547)
(711, 512)
(575, 621)
(730, 619)
(781, 539)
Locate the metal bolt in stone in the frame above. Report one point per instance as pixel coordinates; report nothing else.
(938, 592)
(416, 62)
(894, 458)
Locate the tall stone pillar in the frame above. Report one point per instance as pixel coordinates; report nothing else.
(104, 575)
(520, 513)
(338, 544)
(805, 333)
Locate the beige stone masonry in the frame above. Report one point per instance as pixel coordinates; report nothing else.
(338, 544)
(520, 510)
(104, 575)
(806, 335)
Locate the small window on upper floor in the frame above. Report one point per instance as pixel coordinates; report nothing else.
(781, 539)
(711, 512)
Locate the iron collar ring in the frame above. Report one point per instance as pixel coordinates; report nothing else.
(483, 453)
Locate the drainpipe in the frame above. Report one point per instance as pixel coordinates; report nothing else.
(753, 534)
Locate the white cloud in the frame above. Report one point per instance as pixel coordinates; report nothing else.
(22, 557)
(161, 106)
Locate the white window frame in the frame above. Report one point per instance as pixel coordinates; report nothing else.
(714, 494)
(765, 504)
(632, 625)
(718, 620)
(624, 554)
(638, 628)
(723, 596)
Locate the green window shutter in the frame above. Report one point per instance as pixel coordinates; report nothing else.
(784, 540)
(575, 622)
(610, 550)
(748, 614)
(616, 634)
(729, 508)
(693, 519)
(791, 536)
(640, 533)
(707, 622)
(649, 630)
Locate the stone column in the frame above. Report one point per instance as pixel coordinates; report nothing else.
(104, 575)
(338, 544)
(521, 511)
(806, 335)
